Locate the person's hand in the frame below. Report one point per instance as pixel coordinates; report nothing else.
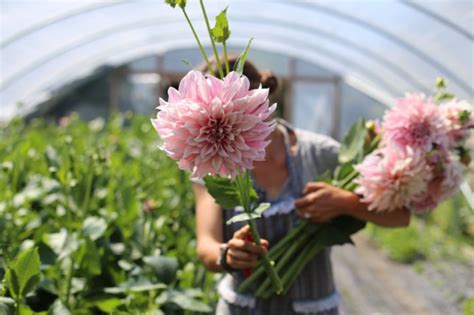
(322, 202)
(244, 254)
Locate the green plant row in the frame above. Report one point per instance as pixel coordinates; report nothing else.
(95, 219)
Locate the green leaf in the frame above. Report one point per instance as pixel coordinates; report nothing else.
(183, 301)
(7, 306)
(173, 3)
(24, 309)
(133, 285)
(58, 308)
(13, 283)
(187, 63)
(89, 257)
(243, 217)
(352, 146)
(464, 116)
(442, 96)
(239, 65)
(94, 227)
(23, 273)
(223, 190)
(31, 284)
(325, 177)
(109, 305)
(164, 267)
(329, 235)
(342, 171)
(261, 208)
(346, 226)
(221, 31)
(62, 243)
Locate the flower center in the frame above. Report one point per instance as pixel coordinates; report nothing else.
(219, 130)
(420, 131)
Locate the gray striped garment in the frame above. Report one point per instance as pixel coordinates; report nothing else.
(313, 291)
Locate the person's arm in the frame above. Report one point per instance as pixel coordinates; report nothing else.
(208, 228)
(322, 202)
(241, 254)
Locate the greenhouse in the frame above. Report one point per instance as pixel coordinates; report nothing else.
(97, 218)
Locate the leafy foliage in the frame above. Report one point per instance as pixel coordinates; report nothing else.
(221, 31)
(255, 214)
(225, 192)
(239, 65)
(23, 274)
(353, 143)
(107, 216)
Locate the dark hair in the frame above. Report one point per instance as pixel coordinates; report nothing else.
(256, 77)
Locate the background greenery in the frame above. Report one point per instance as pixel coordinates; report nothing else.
(112, 220)
(442, 240)
(110, 214)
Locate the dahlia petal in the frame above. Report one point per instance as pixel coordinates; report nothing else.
(173, 95)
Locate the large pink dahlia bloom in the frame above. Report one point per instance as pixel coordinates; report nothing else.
(390, 178)
(215, 127)
(415, 122)
(459, 117)
(448, 173)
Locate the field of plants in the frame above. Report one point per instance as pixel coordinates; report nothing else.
(95, 219)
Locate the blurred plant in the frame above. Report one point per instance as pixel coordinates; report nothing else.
(109, 215)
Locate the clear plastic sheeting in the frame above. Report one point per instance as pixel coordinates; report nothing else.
(381, 48)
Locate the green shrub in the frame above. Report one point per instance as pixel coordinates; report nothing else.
(110, 215)
(468, 307)
(401, 244)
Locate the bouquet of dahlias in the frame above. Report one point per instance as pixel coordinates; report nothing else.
(414, 159)
(216, 128)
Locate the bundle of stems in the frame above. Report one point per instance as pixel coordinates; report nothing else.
(294, 251)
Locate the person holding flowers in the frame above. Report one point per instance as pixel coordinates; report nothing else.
(271, 200)
(285, 179)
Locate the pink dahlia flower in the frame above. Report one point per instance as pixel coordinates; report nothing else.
(448, 173)
(415, 122)
(215, 127)
(459, 118)
(389, 178)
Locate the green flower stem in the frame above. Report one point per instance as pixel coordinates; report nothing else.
(219, 66)
(88, 192)
(374, 143)
(268, 265)
(298, 265)
(243, 183)
(69, 284)
(281, 245)
(201, 48)
(289, 254)
(227, 66)
(274, 254)
(348, 179)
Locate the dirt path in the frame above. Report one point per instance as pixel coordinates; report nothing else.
(369, 283)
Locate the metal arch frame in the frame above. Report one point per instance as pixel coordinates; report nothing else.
(340, 60)
(438, 18)
(324, 10)
(55, 19)
(313, 7)
(397, 70)
(356, 82)
(399, 41)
